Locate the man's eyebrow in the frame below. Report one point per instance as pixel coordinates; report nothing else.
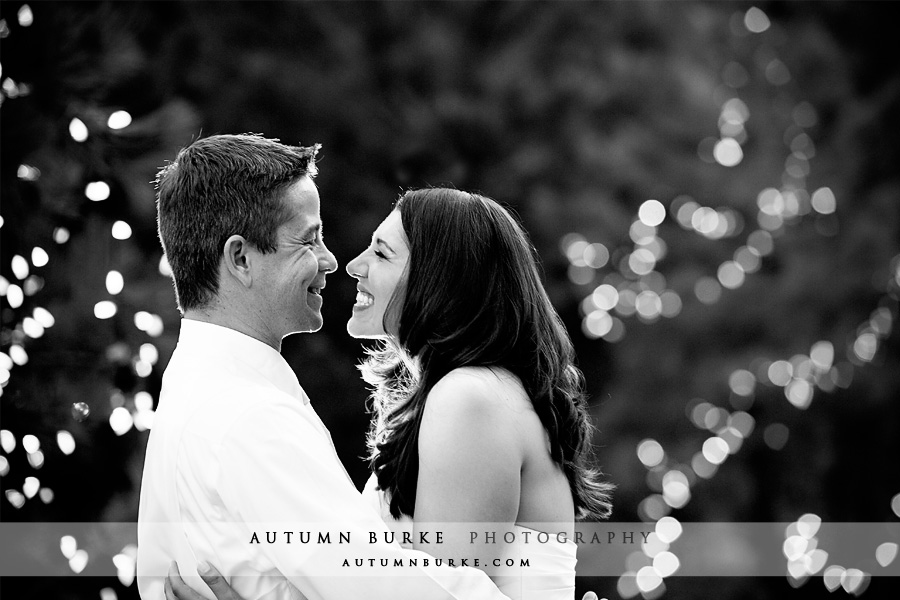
(314, 228)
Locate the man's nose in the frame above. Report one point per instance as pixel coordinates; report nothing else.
(327, 262)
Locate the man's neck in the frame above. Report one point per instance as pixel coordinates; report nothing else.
(232, 321)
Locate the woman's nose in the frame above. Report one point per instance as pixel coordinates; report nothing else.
(356, 267)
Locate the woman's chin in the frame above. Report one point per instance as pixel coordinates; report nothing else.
(361, 331)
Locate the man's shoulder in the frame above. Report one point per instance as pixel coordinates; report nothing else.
(215, 404)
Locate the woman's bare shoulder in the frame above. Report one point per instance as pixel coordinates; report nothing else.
(470, 393)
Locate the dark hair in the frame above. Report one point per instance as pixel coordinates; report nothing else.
(220, 186)
(473, 297)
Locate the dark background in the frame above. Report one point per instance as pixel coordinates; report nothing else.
(571, 113)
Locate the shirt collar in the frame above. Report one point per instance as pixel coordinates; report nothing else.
(212, 340)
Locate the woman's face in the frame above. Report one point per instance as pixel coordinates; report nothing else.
(379, 270)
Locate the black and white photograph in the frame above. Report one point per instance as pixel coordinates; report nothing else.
(449, 299)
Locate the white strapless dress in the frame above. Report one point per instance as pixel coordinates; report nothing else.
(551, 571)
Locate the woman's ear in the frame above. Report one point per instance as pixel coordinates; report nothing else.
(237, 257)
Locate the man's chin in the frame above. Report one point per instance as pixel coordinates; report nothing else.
(310, 326)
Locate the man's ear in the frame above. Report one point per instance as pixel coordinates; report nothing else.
(236, 255)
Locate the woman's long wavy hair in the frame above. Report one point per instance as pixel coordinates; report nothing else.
(473, 297)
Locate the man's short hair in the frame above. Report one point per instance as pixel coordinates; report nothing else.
(220, 186)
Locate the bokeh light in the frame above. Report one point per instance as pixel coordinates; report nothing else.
(715, 450)
(115, 283)
(652, 213)
(668, 529)
(31, 443)
(25, 16)
(39, 257)
(650, 453)
(641, 233)
(799, 392)
(32, 328)
(164, 269)
(761, 242)
(865, 346)
(648, 305)
(755, 20)
(707, 290)
(581, 274)
(885, 553)
(666, 564)
(78, 130)
(19, 267)
(597, 324)
(728, 152)
(108, 594)
(14, 296)
(780, 372)
(777, 72)
(676, 489)
(730, 275)
(97, 191)
(702, 467)
(105, 309)
(121, 230)
(596, 256)
(15, 498)
(60, 235)
(119, 119)
(79, 561)
(823, 201)
(776, 435)
(626, 585)
(7, 440)
(120, 420)
(18, 354)
(605, 296)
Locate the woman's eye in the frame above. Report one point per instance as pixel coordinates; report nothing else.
(380, 254)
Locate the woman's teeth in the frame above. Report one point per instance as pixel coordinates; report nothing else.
(364, 299)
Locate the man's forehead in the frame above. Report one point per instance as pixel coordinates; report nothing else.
(302, 200)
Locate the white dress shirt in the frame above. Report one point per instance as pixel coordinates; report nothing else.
(236, 449)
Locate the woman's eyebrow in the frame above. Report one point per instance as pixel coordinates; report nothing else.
(380, 242)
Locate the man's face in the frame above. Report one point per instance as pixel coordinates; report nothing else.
(291, 278)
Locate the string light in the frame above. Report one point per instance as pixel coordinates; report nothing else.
(115, 283)
(105, 309)
(60, 235)
(19, 267)
(39, 257)
(78, 130)
(28, 173)
(25, 16)
(121, 230)
(119, 119)
(97, 191)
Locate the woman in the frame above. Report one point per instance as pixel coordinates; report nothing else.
(479, 410)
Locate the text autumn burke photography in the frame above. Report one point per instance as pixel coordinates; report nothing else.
(408, 538)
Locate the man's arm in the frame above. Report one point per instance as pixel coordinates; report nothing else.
(280, 474)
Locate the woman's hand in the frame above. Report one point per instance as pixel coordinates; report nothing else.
(177, 589)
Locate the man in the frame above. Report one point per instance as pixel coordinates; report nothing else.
(236, 450)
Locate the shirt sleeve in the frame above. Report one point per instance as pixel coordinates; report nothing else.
(279, 473)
